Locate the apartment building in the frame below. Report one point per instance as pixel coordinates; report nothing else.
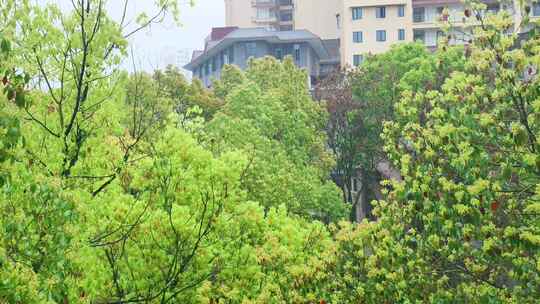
(317, 16)
(233, 45)
(372, 26)
(368, 26)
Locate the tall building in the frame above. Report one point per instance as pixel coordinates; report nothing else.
(317, 16)
(366, 26)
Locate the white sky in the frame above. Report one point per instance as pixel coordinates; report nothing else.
(167, 43)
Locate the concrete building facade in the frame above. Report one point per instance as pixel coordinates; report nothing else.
(366, 26)
(232, 45)
(317, 16)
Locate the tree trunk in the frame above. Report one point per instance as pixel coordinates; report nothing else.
(361, 201)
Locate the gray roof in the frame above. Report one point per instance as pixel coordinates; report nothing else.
(256, 34)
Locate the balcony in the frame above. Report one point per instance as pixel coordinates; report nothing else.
(263, 3)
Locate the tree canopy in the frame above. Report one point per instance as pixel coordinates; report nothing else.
(142, 187)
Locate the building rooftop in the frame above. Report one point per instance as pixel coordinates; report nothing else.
(326, 50)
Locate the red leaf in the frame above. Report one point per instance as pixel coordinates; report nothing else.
(494, 206)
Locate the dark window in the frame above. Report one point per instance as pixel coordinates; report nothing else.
(419, 14)
(358, 37)
(285, 2)
(419, 35)
(297, 52)
(381, 35)
(214, 64)
(251, 49)
(231, 54)
(279, 54)
(401, 11)
(536, 9)
(401, 34)
(357, 13)
(358, 59)
(493, 8)
(206, 68)
(440, 10)
(287, 27)
(380, 11)
(286, 16)
(440, 35)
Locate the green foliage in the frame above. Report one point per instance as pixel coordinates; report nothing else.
(143, 188)
(461, 225)
(270, 115)
(113, 192)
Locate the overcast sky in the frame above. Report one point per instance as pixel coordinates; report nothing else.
(167, 43)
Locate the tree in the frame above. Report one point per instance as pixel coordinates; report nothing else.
(462, 224)
(96, 206)
(269, 114)
(359, 101)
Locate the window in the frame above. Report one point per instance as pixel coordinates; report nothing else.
(225, 57)
(380, 12)
(440, 10)
(287, 27)
(419, 35)
(493, 8)
(401, 11)
(214, 64)
(206, 69)
(297, 52)
(231, 54)
(536, 9)
(279, 53)
(251, 49)
(264, 13)
(440, 35)
(357, 60)
(419, 14)
(357, 13)
(286, 16)
(358, 37)
(401, 34)
(381, 35)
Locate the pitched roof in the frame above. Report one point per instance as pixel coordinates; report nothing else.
(196, 53)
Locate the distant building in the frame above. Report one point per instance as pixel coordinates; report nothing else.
(317, 16)
(367, 26)
(232, 45)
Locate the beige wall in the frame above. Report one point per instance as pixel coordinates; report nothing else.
(239, 13)
(369, 24)
(318, 17)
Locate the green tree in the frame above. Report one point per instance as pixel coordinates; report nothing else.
(269, 114)
(462, 225)
(359, 101)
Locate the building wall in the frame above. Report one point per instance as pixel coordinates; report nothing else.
(239, 13)
(318, 17)
(308, 58)
(369, 24)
